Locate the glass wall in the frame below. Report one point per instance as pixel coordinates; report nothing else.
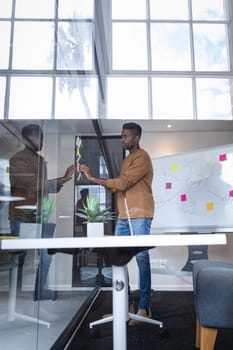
(42, 290)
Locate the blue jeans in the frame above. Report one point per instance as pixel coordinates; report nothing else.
(140, 227)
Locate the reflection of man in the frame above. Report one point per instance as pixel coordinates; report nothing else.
(134, 195)
(80, 228)
(28, 179)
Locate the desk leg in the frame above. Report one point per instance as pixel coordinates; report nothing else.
(120, 307)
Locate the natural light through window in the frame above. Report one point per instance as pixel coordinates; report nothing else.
(128, 97)
(149, 59)
(2, 95)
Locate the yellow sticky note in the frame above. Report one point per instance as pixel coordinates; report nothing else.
(174, 167)
(210, 206)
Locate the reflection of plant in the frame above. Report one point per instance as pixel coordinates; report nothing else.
(41, 216)
(92, 211)
(47, 210)
(72, 45)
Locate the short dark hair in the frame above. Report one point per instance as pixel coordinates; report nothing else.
(136, 128)
(29, 129)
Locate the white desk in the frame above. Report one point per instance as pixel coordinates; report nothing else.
(120, 287)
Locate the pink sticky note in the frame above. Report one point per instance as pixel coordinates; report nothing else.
(222, 157)
(183, 197)
(231, 193)
(168, 185)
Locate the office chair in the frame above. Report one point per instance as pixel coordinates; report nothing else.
(213, 293)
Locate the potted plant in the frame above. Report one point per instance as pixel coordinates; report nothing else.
(95, 216)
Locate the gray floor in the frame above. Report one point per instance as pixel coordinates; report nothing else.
(27, 335)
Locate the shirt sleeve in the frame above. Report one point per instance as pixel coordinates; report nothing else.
(132, 171)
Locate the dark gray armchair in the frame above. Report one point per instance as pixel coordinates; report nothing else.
(213, 297)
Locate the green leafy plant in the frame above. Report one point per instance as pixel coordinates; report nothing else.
(92, 211)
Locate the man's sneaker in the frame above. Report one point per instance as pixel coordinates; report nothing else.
(45, 294)
(141, 312)
(132, 308)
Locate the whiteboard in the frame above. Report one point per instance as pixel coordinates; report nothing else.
(193, 191)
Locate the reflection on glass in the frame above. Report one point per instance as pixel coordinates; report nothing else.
(210, 47)
(213, 99)
(76, 98)
(34, 9)
(4, 190)
(129, 46)
(168, 53)
(127, 98)
(32, 45)
(128, 9)
(5, 44)
(6, 8)
(30, 97)
(76, 8)
(167, 9)
(58, 150)
(2, 95)
(75, 46)
(172, 98)
(208, 9)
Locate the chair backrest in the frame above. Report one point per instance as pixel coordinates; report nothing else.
(213, 293)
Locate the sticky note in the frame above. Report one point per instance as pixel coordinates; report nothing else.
(174, 167)
(231, 193)
(168, 185)
(222, 157)
(78, 152)
(210, 206)
(183, 197)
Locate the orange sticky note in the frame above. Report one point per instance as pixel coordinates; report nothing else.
(210, 206)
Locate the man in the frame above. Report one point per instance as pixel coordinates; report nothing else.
(28, 179)
(134, 195)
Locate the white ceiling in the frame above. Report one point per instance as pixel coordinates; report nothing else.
(113, 127)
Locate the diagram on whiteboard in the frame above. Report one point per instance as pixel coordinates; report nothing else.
(193, 192)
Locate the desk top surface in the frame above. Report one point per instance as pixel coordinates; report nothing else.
(115, 241)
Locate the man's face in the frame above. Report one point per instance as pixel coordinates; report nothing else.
(35, 141)
(128, 139)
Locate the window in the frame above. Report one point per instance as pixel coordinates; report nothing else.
(182, 48)
(116, 59)
(47, 59)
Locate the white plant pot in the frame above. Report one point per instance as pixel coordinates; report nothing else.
(95, 229)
